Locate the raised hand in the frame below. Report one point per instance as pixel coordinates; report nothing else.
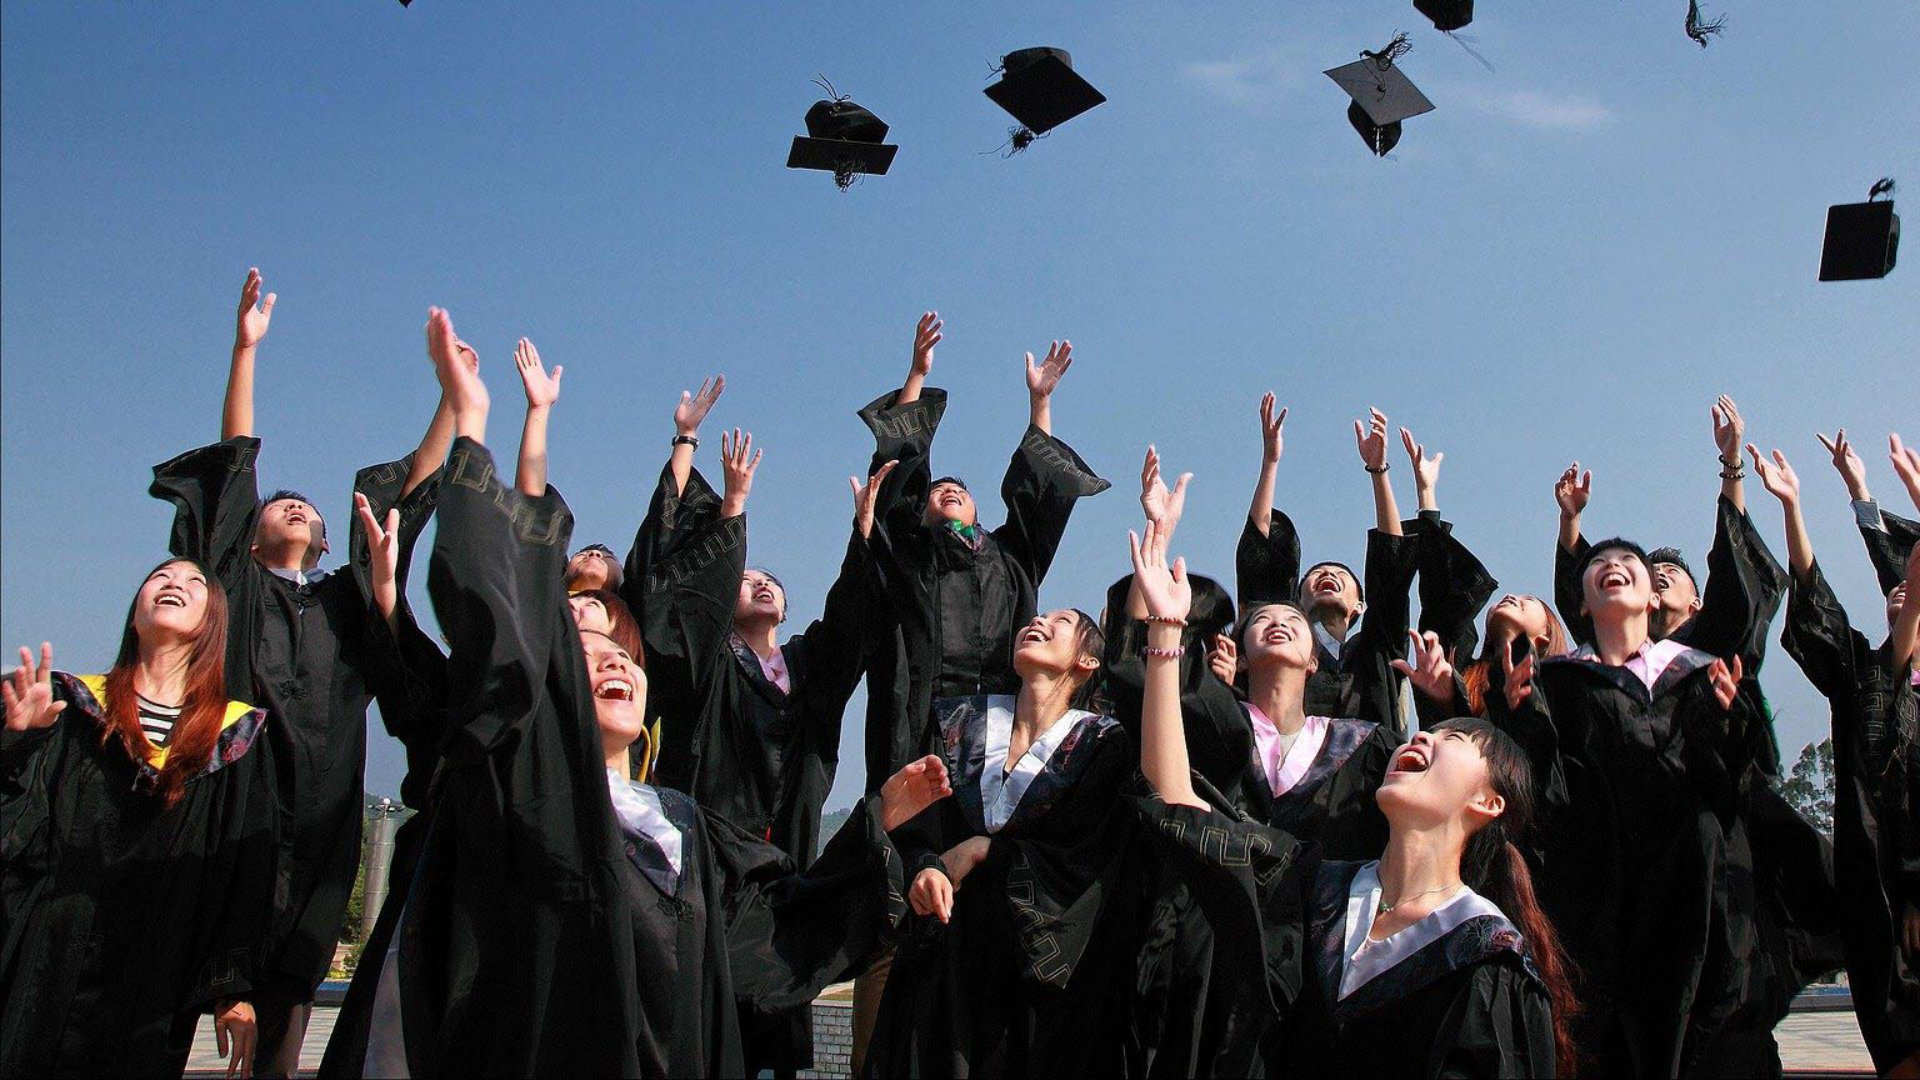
(1725, 681)
(694, 407)
(383, 549)
(1042, 379)
(1162, 506)
(1426, 470)
(1573, 490)
(1224, 658)
(1906, 463)
(932, 894)
(459, 380)
(542, 389)
(925, 336)
(1778, 476)
(1519, 678)
(740, 460)
(255, 313)
(28, 692)
(235, 1034)
(1847, 463)
(866, 497)
(914, 788)
(1166, 590)
(1272, 431)
(1371, 438)
(1729, 430)
(1431, 671)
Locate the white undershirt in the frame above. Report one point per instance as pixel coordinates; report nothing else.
(638, 808)
(1367, 958)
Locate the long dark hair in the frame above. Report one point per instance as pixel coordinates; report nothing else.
(1090, 640)
(1493, 866)
(202, 712)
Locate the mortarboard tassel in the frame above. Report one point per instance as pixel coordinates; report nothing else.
(1883, 187)
(1700, 29)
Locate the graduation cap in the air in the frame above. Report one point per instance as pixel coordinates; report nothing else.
(842, 138)
(1039, 88)
(1862, 238)
(1382, 94)
(1447, 15)
(1699, 27)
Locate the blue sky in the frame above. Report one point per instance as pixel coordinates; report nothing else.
(1569, 258)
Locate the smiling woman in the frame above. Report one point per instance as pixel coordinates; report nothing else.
(140, 835)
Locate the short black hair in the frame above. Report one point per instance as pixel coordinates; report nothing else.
(1619, 543)
(289, 493)
(1671, 556)
(1359, 589)
(951, 480)
(1245, 621)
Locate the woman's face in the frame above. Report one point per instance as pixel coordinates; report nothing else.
(1050, 645)
(1279, 635)
(590, 568)
(1524, 615)
(171, 605)
(619, 691)
(761, 598)
(1617, 583)
(1436, 777)
(590, 614)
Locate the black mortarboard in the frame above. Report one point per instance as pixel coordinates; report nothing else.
(1382, 94)
(1447, 15)
(1862, 238)
(842, 138)
(1039, 88)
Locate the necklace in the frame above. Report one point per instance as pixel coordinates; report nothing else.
(1386, 907)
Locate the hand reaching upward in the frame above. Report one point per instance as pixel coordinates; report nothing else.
(1371, 438)
(740, 461)
(256, 313)
(1779, 478)
(1162, 507)
(1847, 463)
(460, 383)
(1272, 431)
(1043, 378)
(28, 692)
(542, 389)
(694, 407)
(926, 334)
(866, 498)
(1573, 491)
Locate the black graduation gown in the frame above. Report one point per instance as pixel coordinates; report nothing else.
(957, 605)
(314, 656)
(1469, 1003)
(1454, 585)
(1887, 548)
(1028, 977)
(541, 939)
(1876, 719)
(123, 919)
(762, 758)
(1360, 683)
(1631, 859)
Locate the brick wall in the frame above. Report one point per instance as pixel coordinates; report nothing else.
(832, 1039)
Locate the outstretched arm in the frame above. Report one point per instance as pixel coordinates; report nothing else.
(1042, 380)
(1729, 434)
(465, 394)
(1906, 462)
(1272, 440)
(530, 477)
(1372, 441)
(741, 461)
(1784, 484)
(687, 418)
(925, 336)
(1572, 492)
(1426, 471)
(1163, 737)
(1163, 508)
(236, 413)
(432, 452)
(383, 544)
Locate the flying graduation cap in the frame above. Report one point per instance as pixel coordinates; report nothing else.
(842, 138)
(1382, 94)
(1699, 27)
(1040, 89)
(1447, 15)
(1862, 238)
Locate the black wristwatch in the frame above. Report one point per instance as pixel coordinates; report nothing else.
(690, 440)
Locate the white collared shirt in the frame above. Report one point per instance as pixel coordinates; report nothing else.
(296, 576)
(1001, 787)
(1285, 764)
(1366, 958)
(1327, 641)
(638, 808)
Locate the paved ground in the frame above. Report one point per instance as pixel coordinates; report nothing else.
(1810, 1043)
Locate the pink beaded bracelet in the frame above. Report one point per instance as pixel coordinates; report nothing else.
(1154, 653)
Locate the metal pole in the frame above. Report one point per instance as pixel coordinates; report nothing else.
(379, 857)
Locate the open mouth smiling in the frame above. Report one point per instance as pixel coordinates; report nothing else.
(614, 690)
(1411, 759)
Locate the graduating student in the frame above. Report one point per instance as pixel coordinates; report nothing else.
(752, 730)
(1016, 962)
(1875, 696)
(1313, 776)
(959, 590)
(1641, 770)
(1355, 677)
(312, 651)
(1888, 536)
(1433, 960)
(137, 826)
(564, 918)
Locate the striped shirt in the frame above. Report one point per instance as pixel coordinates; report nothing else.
(157, 720)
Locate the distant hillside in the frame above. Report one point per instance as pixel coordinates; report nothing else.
(830, 823)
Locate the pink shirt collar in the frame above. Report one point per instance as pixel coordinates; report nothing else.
(1283, 774)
